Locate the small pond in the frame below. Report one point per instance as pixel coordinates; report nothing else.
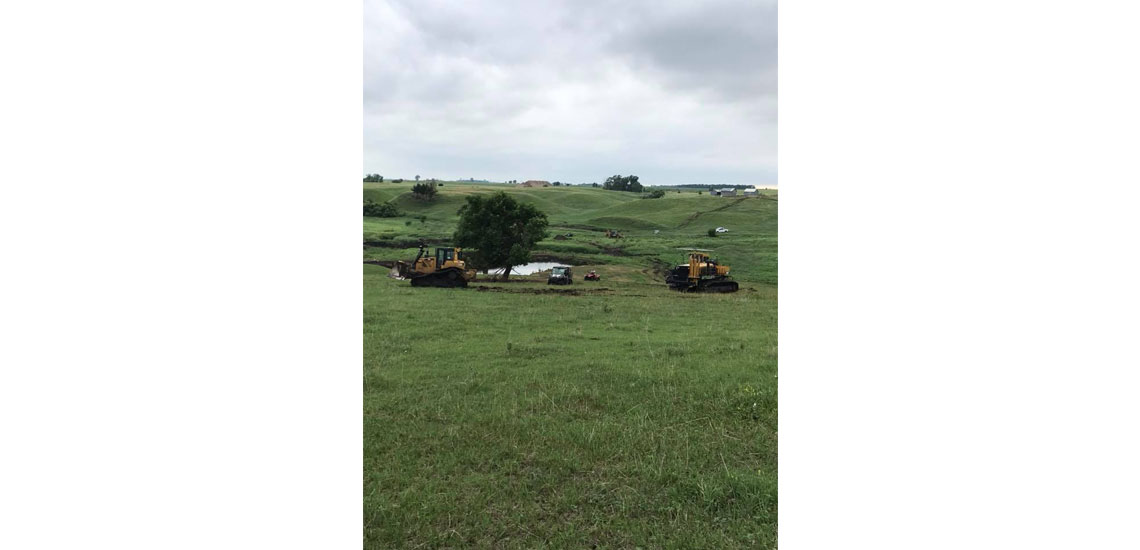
(526, 269)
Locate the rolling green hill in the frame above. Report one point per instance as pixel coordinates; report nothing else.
(653, 229)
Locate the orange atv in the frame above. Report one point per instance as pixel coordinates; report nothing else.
(593, 276)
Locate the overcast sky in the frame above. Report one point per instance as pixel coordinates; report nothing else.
(573, 90)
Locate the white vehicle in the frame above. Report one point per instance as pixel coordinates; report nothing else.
(721, 230)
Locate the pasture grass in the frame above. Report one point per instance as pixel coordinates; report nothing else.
(616, 414)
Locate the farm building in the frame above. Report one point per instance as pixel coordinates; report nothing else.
(535, 183)
(751, 192)
(727, 192)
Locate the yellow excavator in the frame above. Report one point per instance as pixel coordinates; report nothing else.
(701, 274)
(446, 269)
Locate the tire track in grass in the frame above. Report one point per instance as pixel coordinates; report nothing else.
(696, 215)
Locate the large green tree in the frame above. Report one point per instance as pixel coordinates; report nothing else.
(502, 230)
(623, 183)
(424, 191)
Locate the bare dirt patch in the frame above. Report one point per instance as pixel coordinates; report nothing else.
(560, 291)
(565, 259)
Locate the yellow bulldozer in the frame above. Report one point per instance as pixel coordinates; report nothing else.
(700, 274)
(446, 269)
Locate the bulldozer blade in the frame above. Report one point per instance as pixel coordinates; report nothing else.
(402, 270)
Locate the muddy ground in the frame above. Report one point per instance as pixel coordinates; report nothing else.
(562, 291)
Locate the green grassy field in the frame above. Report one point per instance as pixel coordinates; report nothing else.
(615, 414)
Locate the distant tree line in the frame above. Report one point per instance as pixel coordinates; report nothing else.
(709, 187)
(712, 187)
(373, 178)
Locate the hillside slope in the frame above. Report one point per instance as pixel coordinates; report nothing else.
(653, 229)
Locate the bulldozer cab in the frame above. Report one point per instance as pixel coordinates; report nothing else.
(447, 257)
(444, 255)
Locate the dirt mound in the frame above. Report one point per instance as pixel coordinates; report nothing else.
(611, 250)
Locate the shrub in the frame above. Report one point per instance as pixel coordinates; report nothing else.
(655, 194)
(380, 209)
(398, 180)
(712, 232)
(373, 178)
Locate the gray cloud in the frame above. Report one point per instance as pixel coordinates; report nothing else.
(574, 91)
(726, 49)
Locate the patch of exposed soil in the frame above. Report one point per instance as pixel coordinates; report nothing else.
(483, 277)
(580, 226)
(563, 259)
(561, 291)
(611, 250)
(660, 267)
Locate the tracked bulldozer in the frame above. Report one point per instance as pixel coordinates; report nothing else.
(701, 274)
(446, 269)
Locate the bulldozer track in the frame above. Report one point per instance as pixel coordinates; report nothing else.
(446, 278)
